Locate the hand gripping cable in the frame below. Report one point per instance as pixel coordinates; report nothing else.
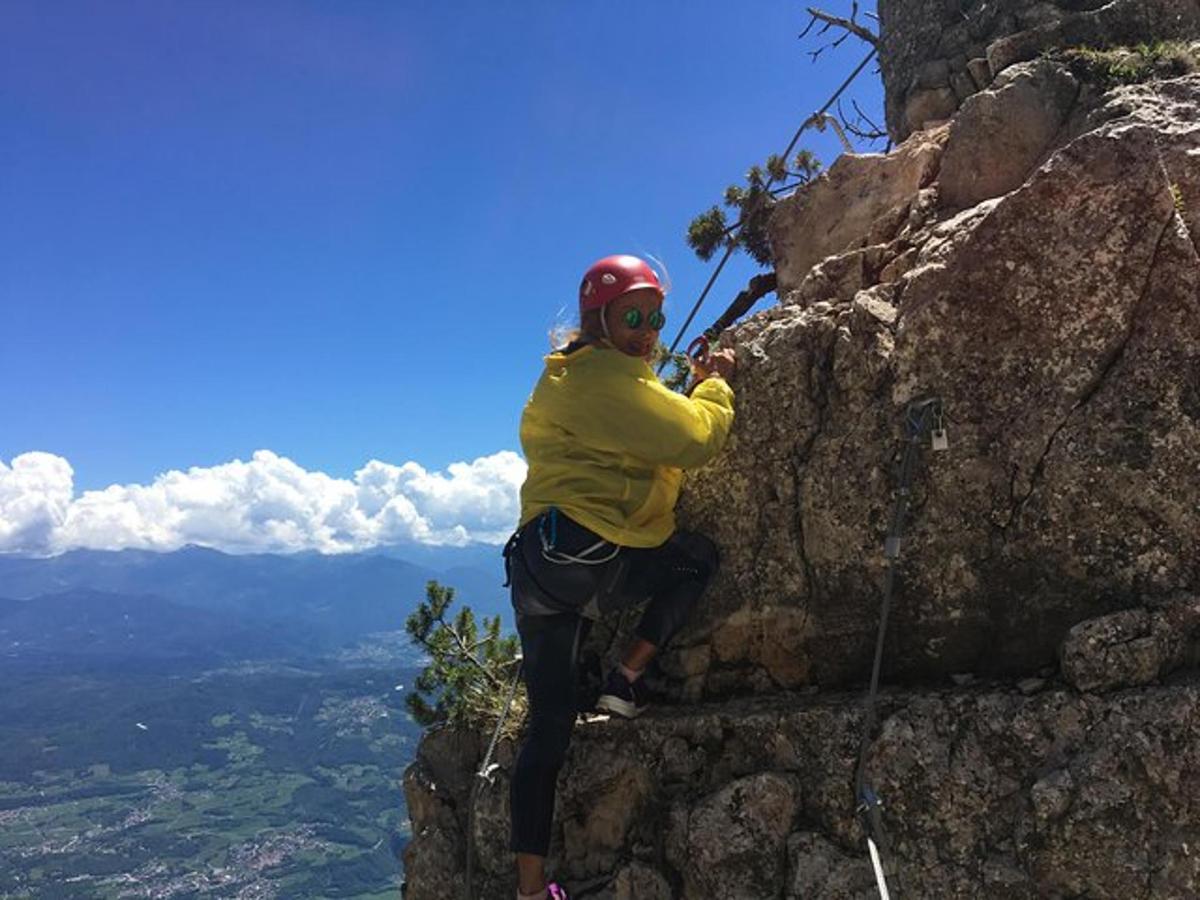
(759, 286)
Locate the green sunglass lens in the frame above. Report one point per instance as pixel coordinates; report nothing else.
(633, 319)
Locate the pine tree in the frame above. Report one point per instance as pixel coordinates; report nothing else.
(711, 231)
(469, 670)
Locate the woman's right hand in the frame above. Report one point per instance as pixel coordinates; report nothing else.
(719, 362)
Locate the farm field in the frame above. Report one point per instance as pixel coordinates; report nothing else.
(254, 781)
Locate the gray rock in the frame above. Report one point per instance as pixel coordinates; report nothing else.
(985, 794)
(934, 74)
(433, 864)
(927, 106)
(1039, 15)
(1058, 323)
(1001, 134)
(963, 85)
(1051, 795)
(1132, 647)
(980, 71)
(1028, 686)
(1014, 48)
(638, 881)
(836, 210)
(819, 870)
(1111, 651)
(734, 841)
(916, 32)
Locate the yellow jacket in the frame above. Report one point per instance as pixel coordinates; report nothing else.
(606, 442)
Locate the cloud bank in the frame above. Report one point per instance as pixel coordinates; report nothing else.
(266, 505)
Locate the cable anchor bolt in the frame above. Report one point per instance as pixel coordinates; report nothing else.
(940, 440)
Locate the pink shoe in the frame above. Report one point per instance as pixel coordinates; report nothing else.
(554, 891)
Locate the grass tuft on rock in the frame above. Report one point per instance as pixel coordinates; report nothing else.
(1115, 66)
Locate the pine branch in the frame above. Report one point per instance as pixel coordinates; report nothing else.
(464, 651)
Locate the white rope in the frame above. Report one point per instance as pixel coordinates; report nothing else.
(565, 559)
(878, 866)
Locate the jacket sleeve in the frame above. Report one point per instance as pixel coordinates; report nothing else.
(642, 418)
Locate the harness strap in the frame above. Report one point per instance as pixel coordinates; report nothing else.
(551, 554)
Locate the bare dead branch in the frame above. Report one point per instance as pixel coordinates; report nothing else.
(850, 26)
(861, 126)
(862, 116)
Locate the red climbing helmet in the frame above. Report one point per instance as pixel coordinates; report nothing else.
(613, 276)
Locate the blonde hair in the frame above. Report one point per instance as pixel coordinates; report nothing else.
(564, 334)
(664, 277)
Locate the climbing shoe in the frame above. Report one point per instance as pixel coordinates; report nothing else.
(622, 697)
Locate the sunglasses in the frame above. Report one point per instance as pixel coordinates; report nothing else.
(633, 319)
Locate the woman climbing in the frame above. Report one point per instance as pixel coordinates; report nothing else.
(606, 444)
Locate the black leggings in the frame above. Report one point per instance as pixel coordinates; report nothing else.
(550, 601)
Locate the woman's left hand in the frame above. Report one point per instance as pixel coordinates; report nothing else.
(719, 362)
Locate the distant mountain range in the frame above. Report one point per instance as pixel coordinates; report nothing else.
(201, 602)
(94, 627)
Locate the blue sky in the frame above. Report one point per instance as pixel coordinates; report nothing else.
(340, 231)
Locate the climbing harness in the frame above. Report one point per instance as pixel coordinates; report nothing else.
(923, 417)
(487, 775)
(548, 535)
(816, 120)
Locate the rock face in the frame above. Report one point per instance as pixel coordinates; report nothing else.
(1034, 264)
(936, 53)
(1001, 134)
(1060, 324)
(988, 793)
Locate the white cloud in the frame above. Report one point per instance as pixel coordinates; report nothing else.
(35, 497)
(268, 504)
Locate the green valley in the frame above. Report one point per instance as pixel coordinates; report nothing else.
(256, 780)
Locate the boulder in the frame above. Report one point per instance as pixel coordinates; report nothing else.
(638, 882)
(839, 208)
(732, 843)
(820, 870)
(1004, 132)
(930, 106)
(1132, 647)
